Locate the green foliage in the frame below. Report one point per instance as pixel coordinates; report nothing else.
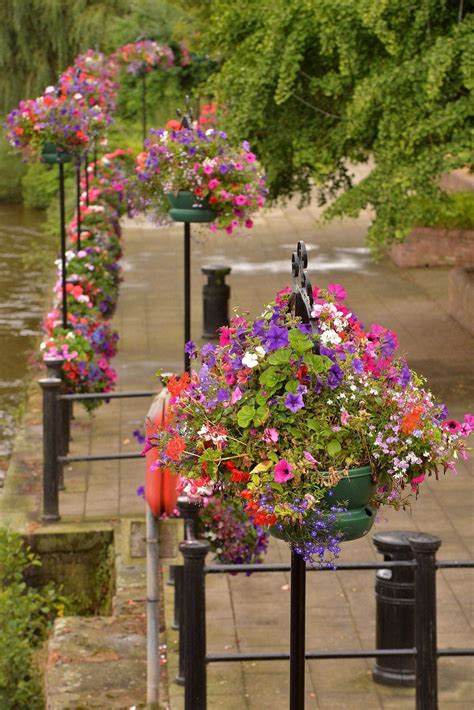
(25, 615)
(11, 172)
(318, 86)
(454, 212)
(39, 185)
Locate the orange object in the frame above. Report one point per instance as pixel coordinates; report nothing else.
(160, 484)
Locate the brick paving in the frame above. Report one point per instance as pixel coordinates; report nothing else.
(253, 613)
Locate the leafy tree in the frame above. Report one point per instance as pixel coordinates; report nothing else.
(318, 85)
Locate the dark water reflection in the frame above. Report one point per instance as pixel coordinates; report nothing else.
(25, 279)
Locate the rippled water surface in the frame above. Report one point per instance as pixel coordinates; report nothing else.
(25, 278)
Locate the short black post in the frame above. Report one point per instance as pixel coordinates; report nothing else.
(194, 631)
(189, 512)
(297, 631)
(180, 679)
(424, 549)
(395, 610)
(178, 589)
(62, 219)
(187, 292)
(215, 299)
(78, 203)
(54, 368)
(51, 387)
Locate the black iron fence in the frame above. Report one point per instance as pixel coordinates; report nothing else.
(190, 619)
(57, 413)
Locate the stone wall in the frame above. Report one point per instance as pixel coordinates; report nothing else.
(461, 297)
(431, 246)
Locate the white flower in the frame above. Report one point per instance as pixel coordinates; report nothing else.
(317, 308)
(330, 337)
(250, 360)
(78, 96)
(260, 351)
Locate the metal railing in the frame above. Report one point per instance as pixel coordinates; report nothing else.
(190, 618)
(57, 434)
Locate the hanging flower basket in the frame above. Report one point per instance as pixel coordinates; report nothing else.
(53, 155)
(313, 424)
(186, 207)
(205, 178)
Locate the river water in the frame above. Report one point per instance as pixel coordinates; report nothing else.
(26, 258)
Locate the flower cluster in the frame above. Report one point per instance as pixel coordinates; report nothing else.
(203, 162)
(93, 77)
(93, 277)
(144, 56)
(280, 412)
(234, 538)
(66, 121)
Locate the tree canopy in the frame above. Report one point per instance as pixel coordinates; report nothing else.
(318, 85)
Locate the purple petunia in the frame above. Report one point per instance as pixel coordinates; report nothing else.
(294, 401)
(276, 338)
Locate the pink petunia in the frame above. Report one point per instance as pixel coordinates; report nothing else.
(270, 435)
(282, 471)
(415, 482)
(452, 426)
(212, 184)
(224, 335)
(310, 458)
(338, 291)
(236, 396)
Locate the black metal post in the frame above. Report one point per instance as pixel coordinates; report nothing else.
(187, 292)
(54, 368)
(297, 631)
(144, 116)
(180, 678)
(86, 175)
(78, 203)
(51, 387)
(189, 512)
(215, 300)
(62, 218)
(424, 549)
(170, 580)
(194, 631)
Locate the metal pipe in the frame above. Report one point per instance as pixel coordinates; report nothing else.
(152, 611)
(107, 395)
(100, 457)
(144, 116)
(311, 655)
(187, 292)
(424, 549)
(86, 175)
(78, 203)
(297, 631)
(50, 387)
(341, 567)
(62, 218)
(177, 584)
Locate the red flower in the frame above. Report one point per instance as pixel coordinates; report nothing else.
(175, 448)
(176, 386)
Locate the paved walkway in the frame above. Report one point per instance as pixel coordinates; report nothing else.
(252, 613)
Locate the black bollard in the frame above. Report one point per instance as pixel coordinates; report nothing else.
(395, 613)
(424, 550)
(194, 631)
(51, 387)
(54, 368)
(216, 294)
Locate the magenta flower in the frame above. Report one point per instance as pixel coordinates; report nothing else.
(282, 471)
(310, 458)
(338, 291)
(417, 480)
(236, 395)
(452, 426)
(212, 184)
(240, 200)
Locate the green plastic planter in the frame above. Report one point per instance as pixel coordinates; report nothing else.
(354, 493)
(52, 155)
(186, 207)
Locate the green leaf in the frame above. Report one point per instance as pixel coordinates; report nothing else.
(313, 424)
(292, 386)
(271, 377)
(317, 363)
(246, 415)
(300, 342)
(261, 415)
(280, 357)
(333, 447)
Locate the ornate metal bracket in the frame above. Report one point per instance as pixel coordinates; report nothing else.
(187, 116)
(301, 302)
